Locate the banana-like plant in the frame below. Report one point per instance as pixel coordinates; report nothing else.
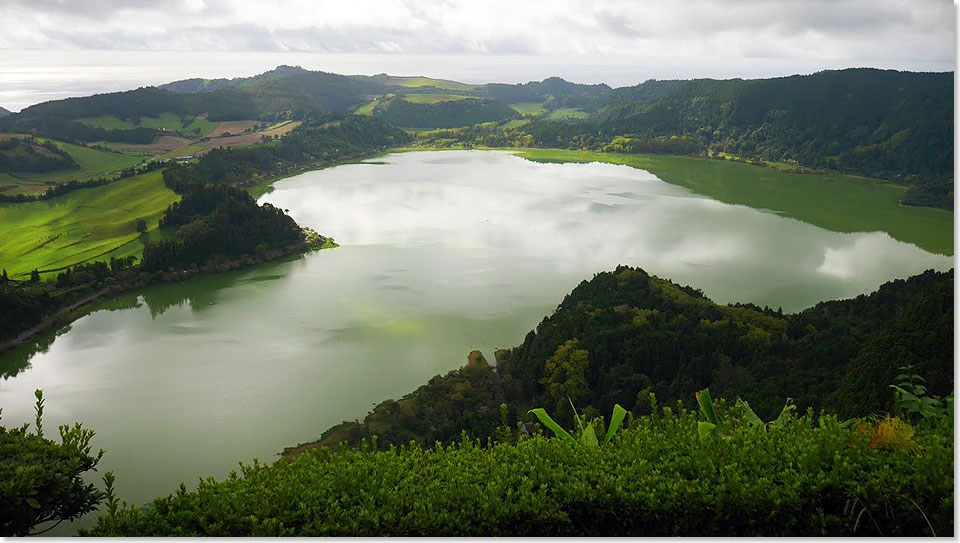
(586, 430)
(711, 426)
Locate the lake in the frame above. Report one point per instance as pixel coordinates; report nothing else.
(442, 253)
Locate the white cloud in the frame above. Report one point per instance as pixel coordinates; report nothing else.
(855, 29)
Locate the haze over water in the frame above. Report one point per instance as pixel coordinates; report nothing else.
(443, 252)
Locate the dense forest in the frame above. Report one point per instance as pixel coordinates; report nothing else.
(625, 334)
(883, 124)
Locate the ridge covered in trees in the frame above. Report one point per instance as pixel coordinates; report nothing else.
(625, 334)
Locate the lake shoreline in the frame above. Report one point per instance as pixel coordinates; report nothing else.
(67, 315)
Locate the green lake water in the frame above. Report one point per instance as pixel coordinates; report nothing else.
(442, 253)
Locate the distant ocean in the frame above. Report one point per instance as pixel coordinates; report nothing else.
(29, 77)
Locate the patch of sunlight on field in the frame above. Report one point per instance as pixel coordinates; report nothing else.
(432, 97)
(567, 113)
(81, 225)
(528, 108)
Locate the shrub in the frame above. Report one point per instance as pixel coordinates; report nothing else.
(40, 480)
(807, 476)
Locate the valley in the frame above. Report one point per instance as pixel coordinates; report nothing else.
(764, 239)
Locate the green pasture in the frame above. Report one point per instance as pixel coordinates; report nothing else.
(93, 162)
(528, 108)
(107, 122)
(567, 113)
(86, 224)
(200, 127)
(367, 109)
(432, 97)
(428, 82)
(841, 203)
(515, 123)
(165, 121)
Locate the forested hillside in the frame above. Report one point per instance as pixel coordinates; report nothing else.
(553, 92)
(884, 124)
(879, 123)
(625, 334)
(442, 114)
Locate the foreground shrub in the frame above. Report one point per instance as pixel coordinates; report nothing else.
(41, 480)
(808, 476)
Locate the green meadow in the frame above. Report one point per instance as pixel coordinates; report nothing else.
(107, 122)
(428, 82)
(165, 121)
(567, 113)
(528, 108)
(93, 162)
(841, 203)
(200, 127)
(86, 224)
(432, 97)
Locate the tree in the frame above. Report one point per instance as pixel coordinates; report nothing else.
(4, 278)
(35, 276)
(40, 480)
(141, 226)
(565, 375)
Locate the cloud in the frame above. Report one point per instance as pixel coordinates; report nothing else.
(855, 29)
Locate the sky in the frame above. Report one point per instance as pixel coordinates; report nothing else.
(52, 49)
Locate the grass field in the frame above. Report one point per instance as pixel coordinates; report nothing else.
(432, 97)
(567, 113)
(428, 82)
(92, 162)
(107, 122)
(93, 223)
(528, 108)
(164, 121)
(515, 123)
(201, 127)
(836, 202)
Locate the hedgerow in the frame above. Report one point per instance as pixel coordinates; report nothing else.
(810, 475)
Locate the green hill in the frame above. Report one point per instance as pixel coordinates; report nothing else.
(624, 334)
(879, 123)
(400, 111)
(93, 223)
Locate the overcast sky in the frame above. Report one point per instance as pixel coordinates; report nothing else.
(50, 49)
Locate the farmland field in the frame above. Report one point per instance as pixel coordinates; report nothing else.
(96, 222)
(428, 82)
(93, 163)
(567, 113)
(233, 128)
(432, 98)
(841, 203)
(528, 108)
(107, 122)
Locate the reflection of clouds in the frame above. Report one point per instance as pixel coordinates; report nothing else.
(584, 218)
